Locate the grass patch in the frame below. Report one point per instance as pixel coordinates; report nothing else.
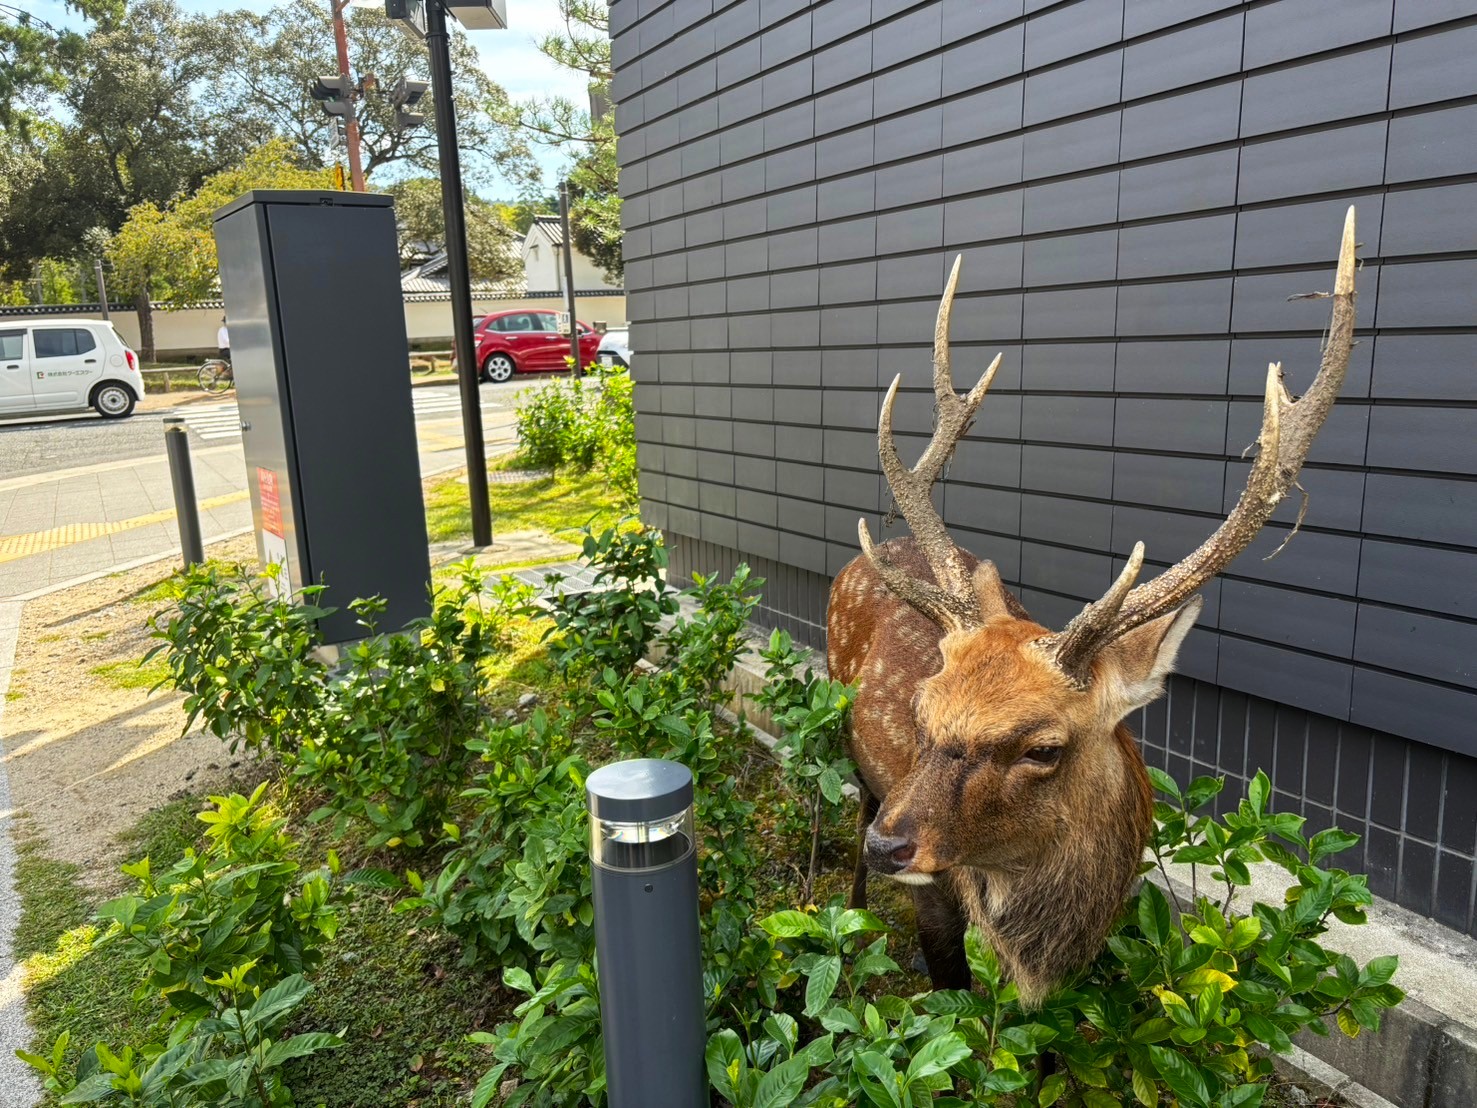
(69, 985)
(403, 1006)
(128, 674)
(559, 505)
(95, 636)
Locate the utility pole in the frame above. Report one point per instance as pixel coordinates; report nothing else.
(574, 327)
(351, 122)
(102, 286)
(438, 45)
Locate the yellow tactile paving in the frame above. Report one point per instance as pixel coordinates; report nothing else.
(38, 542)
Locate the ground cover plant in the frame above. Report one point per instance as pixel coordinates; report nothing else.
(461, 819)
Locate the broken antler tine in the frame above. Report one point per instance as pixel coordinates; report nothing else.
(943, 373)
(1081, 639)
(1272, 401)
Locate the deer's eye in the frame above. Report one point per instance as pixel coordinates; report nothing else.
(1042, 755)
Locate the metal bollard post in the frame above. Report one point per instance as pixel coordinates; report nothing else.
(646, 934)
(182, 477)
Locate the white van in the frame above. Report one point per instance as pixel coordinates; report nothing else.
(60, 365)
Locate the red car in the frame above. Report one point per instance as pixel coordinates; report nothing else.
(524, 341)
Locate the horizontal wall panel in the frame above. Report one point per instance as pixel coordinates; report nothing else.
(1147, 196)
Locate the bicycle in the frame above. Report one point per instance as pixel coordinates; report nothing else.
(216, 375)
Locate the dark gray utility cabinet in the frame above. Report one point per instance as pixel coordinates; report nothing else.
(311, 282)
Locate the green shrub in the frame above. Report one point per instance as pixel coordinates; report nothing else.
(570, 424)
(811, 713)
(391, 748)
(224, 936)
(384, 738)
(242, 900)
(242, 656)
(613, 625)
(233, 1060)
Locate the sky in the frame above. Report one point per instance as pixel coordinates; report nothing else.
(509, 57)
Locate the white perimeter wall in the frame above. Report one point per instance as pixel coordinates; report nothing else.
(189, 332)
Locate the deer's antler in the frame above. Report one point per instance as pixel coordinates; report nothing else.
(951, 601)
(1287, 432)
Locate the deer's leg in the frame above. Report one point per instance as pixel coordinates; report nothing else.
(866, 813)
(941, 927)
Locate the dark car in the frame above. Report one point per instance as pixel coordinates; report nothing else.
(523, 341)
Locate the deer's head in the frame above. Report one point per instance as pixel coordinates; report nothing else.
(1019, 738)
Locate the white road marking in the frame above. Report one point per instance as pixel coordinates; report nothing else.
(223, 421)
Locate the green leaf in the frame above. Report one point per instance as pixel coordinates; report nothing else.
(1154, 917)
(300, 1046)
(1154, 1030)
(1163, 782)
(1244, 932)
(1258, 791)
(937, 1055)
(1242, 1096)
(791, 925)
(956, 1002)
(840, 1020)
(859, 919)
(1379, 970)
(822, 984)
(984, 966)
(1145, 1089)
(1331, 841)
(878, 1067)
(517, 978)
(779, 1087)
(1052, 1089)
(1181, 1075)
(725, 1057)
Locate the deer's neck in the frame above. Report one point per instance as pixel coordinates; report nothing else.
(1049, 920)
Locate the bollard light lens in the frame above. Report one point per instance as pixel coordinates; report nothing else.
(641, 844)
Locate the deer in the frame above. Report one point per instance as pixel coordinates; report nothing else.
(999, 779)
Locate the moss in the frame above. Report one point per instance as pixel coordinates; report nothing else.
(128, 674)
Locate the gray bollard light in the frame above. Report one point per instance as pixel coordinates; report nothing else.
(646, 934)
(182, 477)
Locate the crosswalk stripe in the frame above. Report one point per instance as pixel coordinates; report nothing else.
(223, 421)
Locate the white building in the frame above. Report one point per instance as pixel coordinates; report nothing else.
(543, 261)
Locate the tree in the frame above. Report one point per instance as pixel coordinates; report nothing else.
(586, 130)
(138, 125)
(168, 254)
(34, 55)
(492, 251)
(269, 61)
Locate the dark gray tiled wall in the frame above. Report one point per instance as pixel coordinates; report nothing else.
(1137, 187)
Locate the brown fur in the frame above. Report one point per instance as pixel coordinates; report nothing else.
(1039, 857)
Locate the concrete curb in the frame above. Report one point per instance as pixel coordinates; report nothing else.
(18, 1085)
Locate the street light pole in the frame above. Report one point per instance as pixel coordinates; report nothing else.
(351, 121)
(439, 47)
(574, 327)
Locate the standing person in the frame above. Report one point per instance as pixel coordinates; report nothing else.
(223, 341)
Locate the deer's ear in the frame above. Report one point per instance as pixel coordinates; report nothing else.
(1134, 666)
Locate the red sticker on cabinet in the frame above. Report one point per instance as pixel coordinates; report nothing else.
(271, 504)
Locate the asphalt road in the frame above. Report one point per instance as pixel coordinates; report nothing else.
(30, 446)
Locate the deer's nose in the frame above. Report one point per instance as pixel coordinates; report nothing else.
(891, 853)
